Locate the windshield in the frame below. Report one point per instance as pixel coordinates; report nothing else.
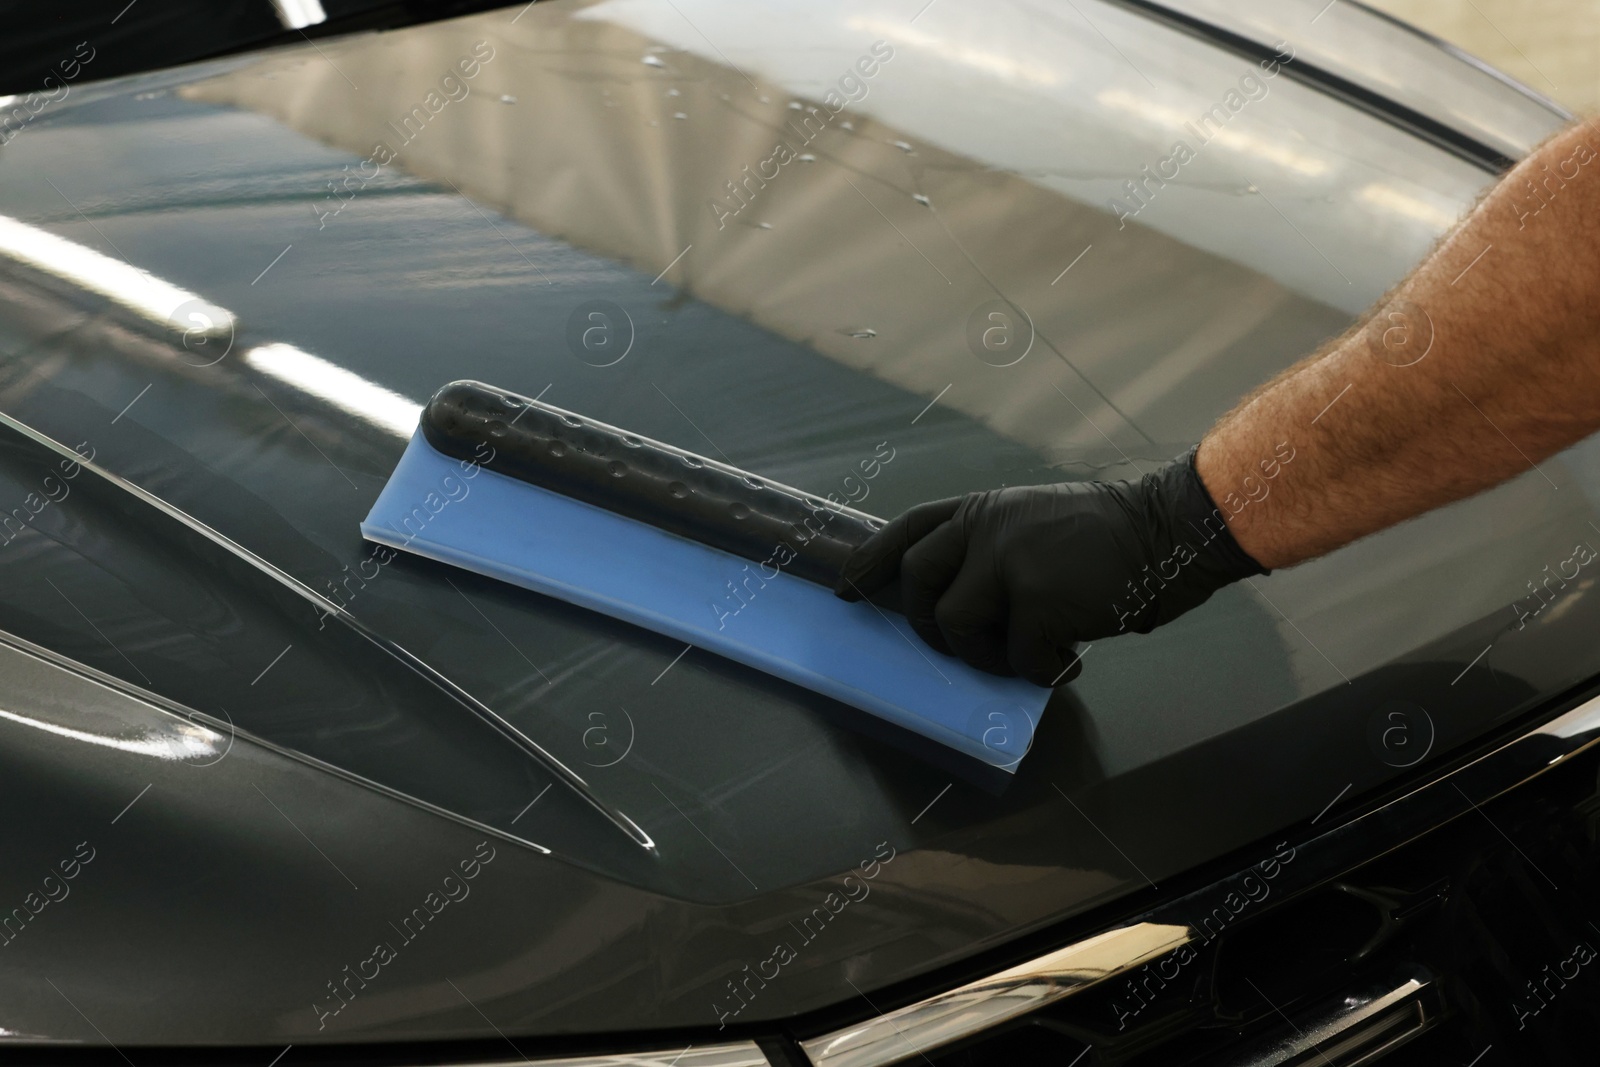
(798, 225)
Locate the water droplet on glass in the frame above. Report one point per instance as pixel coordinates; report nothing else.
(617, 468)
(652, 61)
(764, 99)
(754, 483)
(847, 124)
(572, 420)
(631, 441)
(673, 92)
(919, 198)
(507, 98)
(902, 146)
(807, 157)
(497, 428)
(558, 449)
(795, 105)
(690, 461)
(764, 225)
(679, 115)
(863, 333)
(739, 511)
(678, 490)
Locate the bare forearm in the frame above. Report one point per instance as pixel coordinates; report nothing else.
(1484, 361)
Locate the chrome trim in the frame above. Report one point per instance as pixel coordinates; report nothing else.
(977, 1006)
(1581, 721)
(1359, 1030)
(737, 1054)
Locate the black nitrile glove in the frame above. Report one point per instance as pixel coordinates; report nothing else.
(1010, 580)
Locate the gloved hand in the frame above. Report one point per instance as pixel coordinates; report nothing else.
(1010, 580)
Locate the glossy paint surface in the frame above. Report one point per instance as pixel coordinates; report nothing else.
(832, 313)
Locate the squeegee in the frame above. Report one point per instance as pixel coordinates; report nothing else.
(722, 559)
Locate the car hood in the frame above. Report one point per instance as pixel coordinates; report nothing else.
(226, 290)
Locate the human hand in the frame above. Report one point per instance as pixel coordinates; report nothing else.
(1011, 580)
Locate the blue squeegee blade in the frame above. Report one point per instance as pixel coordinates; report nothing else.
(458, 513)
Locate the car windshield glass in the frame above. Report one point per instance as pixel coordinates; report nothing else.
(793, 218)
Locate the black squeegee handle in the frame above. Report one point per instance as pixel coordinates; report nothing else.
(776, 527)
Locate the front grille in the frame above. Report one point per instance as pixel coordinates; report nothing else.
(1478, 931)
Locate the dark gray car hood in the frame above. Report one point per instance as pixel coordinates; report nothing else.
(343, 264)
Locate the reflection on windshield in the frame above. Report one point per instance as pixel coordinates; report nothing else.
(154, 299)
(334, 385)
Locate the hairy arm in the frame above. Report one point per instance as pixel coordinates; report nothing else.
(1480, 364)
